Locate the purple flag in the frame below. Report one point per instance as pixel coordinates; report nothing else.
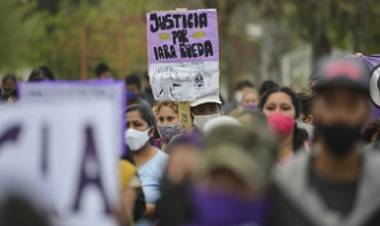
(373, 61)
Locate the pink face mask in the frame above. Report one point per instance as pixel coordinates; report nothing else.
(282, 125)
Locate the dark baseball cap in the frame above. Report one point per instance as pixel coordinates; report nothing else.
(345, 72)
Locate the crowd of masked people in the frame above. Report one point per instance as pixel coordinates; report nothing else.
(269, 157)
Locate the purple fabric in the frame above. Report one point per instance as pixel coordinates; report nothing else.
(372, 60)
(220, 208)
(161, 37)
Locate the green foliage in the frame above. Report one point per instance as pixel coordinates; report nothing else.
(17, 31)
(116, 30)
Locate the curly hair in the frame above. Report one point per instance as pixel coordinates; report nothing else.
(171, 104)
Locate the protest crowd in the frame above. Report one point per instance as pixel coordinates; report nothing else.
(270, 156)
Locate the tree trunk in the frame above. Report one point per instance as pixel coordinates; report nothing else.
(271, 51)
(321, 45)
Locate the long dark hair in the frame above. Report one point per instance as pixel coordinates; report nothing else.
(145, 112)
(299, 135)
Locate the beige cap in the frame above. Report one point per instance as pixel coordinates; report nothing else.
(204, 100)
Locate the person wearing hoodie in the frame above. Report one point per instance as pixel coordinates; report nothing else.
(337, 182)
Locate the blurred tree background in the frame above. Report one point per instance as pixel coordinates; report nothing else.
(259, 39)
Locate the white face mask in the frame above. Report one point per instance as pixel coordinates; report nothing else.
(200, 120)
(136, 139)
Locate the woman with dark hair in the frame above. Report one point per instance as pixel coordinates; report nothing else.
(149, 160)
(282, 107)
(267, 85)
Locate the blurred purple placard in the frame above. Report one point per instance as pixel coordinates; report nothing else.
(90, 91)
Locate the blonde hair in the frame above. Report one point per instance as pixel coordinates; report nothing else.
(171, 104)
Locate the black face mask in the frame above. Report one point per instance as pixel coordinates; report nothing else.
(339, 137)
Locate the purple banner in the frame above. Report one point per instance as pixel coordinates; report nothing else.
(182, 36)
(372, 60)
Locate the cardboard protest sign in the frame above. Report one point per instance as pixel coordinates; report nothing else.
(112, 91)
(183, 54)
(70, 149)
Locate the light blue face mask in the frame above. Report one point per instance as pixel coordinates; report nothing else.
(168, 132)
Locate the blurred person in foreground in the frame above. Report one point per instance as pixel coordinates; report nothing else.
(16, 210)
(223, 120)
(9, 88)
(168, 124)
(337, 183)
(150, 161)
(281, 107)
(227, 183)
(240, 88)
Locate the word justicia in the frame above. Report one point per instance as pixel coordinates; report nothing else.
(175, 21)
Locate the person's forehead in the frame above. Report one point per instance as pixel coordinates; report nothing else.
(279, 97)
(8, 81)
(250, 95)
(342, 93)
(166, 110)
(246, 88)
(133, 116)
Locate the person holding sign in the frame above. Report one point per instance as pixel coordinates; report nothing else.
(203, 110)
(149, 160)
